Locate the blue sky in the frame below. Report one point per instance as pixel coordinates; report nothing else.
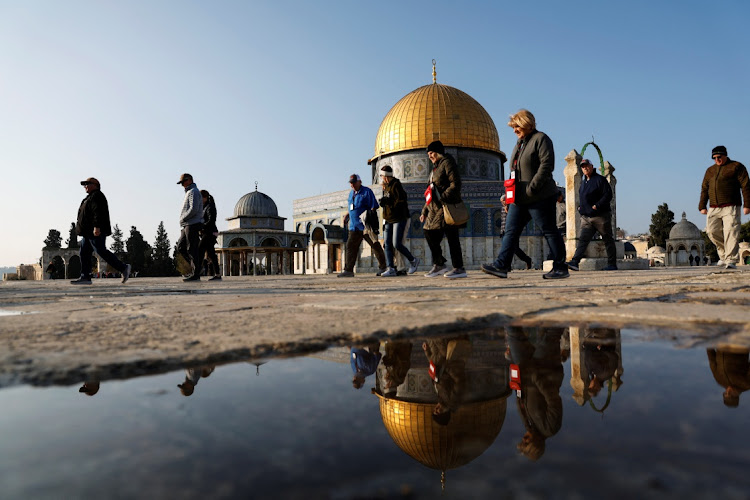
(291, 94)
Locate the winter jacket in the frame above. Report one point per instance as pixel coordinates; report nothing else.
(447, 182)
(594, 191)
(209, 216)
(359, 202)
(192, 207)
(93, 212)
(730, 367)
(533, 161)
(394, 202)
(722, 186)
(449, 357)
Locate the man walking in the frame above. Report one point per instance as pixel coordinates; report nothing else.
(361, 199)
(93, 226)
(191, 222)
(595, 196)
(725, 187)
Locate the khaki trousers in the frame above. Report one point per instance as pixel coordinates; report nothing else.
(723, 229)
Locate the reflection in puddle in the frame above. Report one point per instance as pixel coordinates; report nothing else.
(523, 412)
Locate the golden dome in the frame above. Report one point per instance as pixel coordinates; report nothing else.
(472, 429)
(436, 112)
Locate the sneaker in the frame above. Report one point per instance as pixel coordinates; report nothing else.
(609, 268)
(730, 266)
(413, 265)
(721, 263)
(126, 273)
(195, 277)
(494, 271)
(81, 281)
(456, 272)
(572, 265)
(215, 278)
(389, 273)
(436, 271)
(381, 271)
(345, 274)
(556, 274)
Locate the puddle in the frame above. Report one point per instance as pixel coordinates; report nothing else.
(601, 413)
(12, 313)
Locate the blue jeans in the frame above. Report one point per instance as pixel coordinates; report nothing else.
(98, 244)
(544, 214)
(394, 231)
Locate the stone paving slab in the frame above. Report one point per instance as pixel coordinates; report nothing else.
(66, 332)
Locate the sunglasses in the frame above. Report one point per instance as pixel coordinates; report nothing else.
(84, 183)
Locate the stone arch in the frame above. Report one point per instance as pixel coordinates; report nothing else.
(74, 267)
(298, 228)
(497, 217)
(238, 242)
(270, 241)
(318, 235)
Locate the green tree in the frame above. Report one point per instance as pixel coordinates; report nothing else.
(711, 252)
(118, 246)
(745, 231)
(661, 223)
(53, 240)
(72, 240)
(139, 252)
(163, 265)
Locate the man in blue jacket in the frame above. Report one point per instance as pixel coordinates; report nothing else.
(595, 196)
(361, 199)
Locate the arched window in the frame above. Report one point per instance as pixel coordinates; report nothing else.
(497, 221)
(479, 223)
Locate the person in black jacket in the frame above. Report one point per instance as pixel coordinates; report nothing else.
(208, 235)
(93, 226)
(595, 196)
(395, 215)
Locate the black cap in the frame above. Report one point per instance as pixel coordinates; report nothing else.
(183, 177)
(718, 150)
(436, 147)
(586, 162)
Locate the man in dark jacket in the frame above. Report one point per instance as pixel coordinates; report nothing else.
(595, 196)
(725, 187)
(93, 226)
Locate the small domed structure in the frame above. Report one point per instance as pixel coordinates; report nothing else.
(256, 204)
(685, 245)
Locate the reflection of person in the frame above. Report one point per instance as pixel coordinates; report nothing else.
(448, 372)
(595, 195)
(444, 186)
(395, 216)
(208, 235)
(192, 376)
(90, 387)
(397, 361)
(537, 355)
(600, 357)
(725, 187)
(93, 227)
(364, 361)
(532, 163)
(191, 222)
(361, 199)
(731, 369)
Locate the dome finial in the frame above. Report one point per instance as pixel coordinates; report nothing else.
(256, 185)
(684, 216)
(434, 73)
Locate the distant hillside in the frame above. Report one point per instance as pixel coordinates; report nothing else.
(4, 270)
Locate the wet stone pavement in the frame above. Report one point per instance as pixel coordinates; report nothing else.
(577, 411)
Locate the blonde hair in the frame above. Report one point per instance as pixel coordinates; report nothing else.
(523, 119)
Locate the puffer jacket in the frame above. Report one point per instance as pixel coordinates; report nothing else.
(533, 161)
(447, 182)
(394, 202)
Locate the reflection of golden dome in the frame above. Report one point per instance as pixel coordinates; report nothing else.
(436, 112)
(471, 430)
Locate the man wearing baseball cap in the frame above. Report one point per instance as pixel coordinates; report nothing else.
(725, 187)
(595, 196)
(361, 199)
(93, 227)
(191, 222)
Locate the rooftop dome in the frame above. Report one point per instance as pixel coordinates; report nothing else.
(256, 204)
(436, 112)
(685, 230)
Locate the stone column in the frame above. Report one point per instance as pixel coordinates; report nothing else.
(572, 217)
(255, 263)
(578, 373)
(284, 262)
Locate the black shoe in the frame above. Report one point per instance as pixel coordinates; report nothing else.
(81, 281)
(528, 263)
(556, 274)
(214, 278)
(572, 265)
(494, 271)
(610, 268)
(194, 277)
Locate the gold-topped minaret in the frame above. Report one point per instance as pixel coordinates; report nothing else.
(434, 73)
